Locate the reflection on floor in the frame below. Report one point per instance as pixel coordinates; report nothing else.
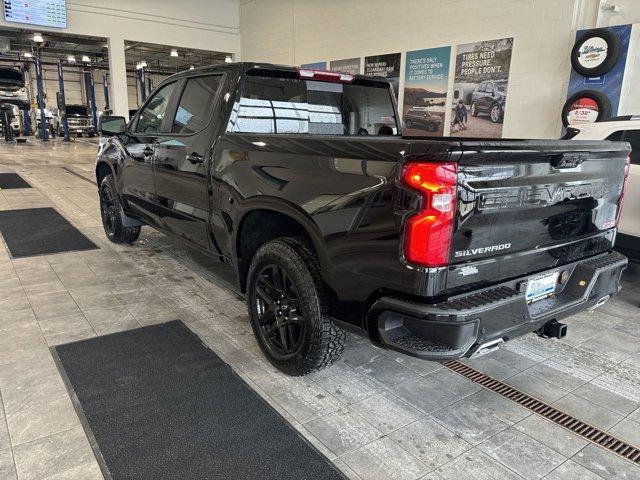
(376, 414)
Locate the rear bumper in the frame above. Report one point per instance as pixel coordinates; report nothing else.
(461, 325)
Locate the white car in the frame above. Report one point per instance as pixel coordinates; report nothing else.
(626, 129)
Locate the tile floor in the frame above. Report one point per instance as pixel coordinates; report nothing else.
(375, 414)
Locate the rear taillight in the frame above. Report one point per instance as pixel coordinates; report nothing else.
(428, 233)
(627, 167)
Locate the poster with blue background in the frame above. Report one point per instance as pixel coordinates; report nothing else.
(609, 84)
(426, 81)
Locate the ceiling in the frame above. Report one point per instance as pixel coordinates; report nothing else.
(59, 46)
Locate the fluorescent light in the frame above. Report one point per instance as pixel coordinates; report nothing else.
(174, 52)
(228, 59)
(27, 55)
(71, 59)
(38, 38)
(191, 67)
(85, 58)
(143, 63)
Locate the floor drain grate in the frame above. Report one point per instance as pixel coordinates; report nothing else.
(586, 431)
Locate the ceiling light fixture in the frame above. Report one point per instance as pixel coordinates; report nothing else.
(27, 55)
(228, 59)
(174, 52)
(143, 63)
(191, 67)
(38, 38)
(86, 59)
(71, 59)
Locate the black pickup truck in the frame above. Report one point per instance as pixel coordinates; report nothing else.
(334, 221)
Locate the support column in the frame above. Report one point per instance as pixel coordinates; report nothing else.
(119, 98)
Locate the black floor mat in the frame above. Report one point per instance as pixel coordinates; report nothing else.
(161, 405)
(12, 180)
(39, 231)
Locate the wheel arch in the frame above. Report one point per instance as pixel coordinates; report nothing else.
(282, 219)
(103, 168)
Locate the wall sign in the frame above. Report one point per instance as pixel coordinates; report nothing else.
(426, 80)
(593, 53)
(480, 88)
(348, 65)
(314, 66)
(387, 66)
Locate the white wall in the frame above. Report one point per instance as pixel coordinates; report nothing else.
(202, 24)
(301, 31)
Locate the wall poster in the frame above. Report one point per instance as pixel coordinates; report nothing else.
(387, 66)
(348, 65)
(426, 80)
(480, 88)
(314, 66)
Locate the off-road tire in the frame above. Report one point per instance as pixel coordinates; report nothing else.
(323, 341)
(117, 233)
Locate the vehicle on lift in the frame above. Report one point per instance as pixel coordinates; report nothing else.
(13, 114)
(13, 89)
(80, 121)
(438, 248)
(421, 118)
(489, 98)
(624, 128)
(51, 119)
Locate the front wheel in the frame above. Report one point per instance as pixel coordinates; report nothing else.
(287, 308)
(110, 214)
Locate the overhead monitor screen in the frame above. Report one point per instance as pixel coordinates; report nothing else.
(48, 13)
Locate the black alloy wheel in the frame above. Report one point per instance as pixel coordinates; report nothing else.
(108, 210)
(110, 214)
(287, 304)
(277, 304)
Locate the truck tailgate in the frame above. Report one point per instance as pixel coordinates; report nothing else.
(526, 206)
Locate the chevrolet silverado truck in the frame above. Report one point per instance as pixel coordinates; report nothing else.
(437, 248)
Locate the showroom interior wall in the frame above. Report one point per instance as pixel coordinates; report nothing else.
(201, 24)
(303, 31)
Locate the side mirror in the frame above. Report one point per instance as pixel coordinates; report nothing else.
(111, 125)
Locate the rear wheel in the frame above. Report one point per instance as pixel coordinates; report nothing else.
(110, 213)
(287, 307)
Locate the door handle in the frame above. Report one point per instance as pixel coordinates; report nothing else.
(195, 158)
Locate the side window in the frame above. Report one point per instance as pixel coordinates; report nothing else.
(633, 137)
(150, 119)
(482, 87)
(489, 88)
(195, 104)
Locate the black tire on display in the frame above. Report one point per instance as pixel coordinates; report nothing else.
(474, 110)
(592, 43)
(287, 307)
(110, 213)
(598, 98)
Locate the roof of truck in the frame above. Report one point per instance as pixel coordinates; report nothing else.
(244, 67)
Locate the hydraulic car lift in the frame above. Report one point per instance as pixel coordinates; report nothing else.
(62, 105)
(44, 135)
